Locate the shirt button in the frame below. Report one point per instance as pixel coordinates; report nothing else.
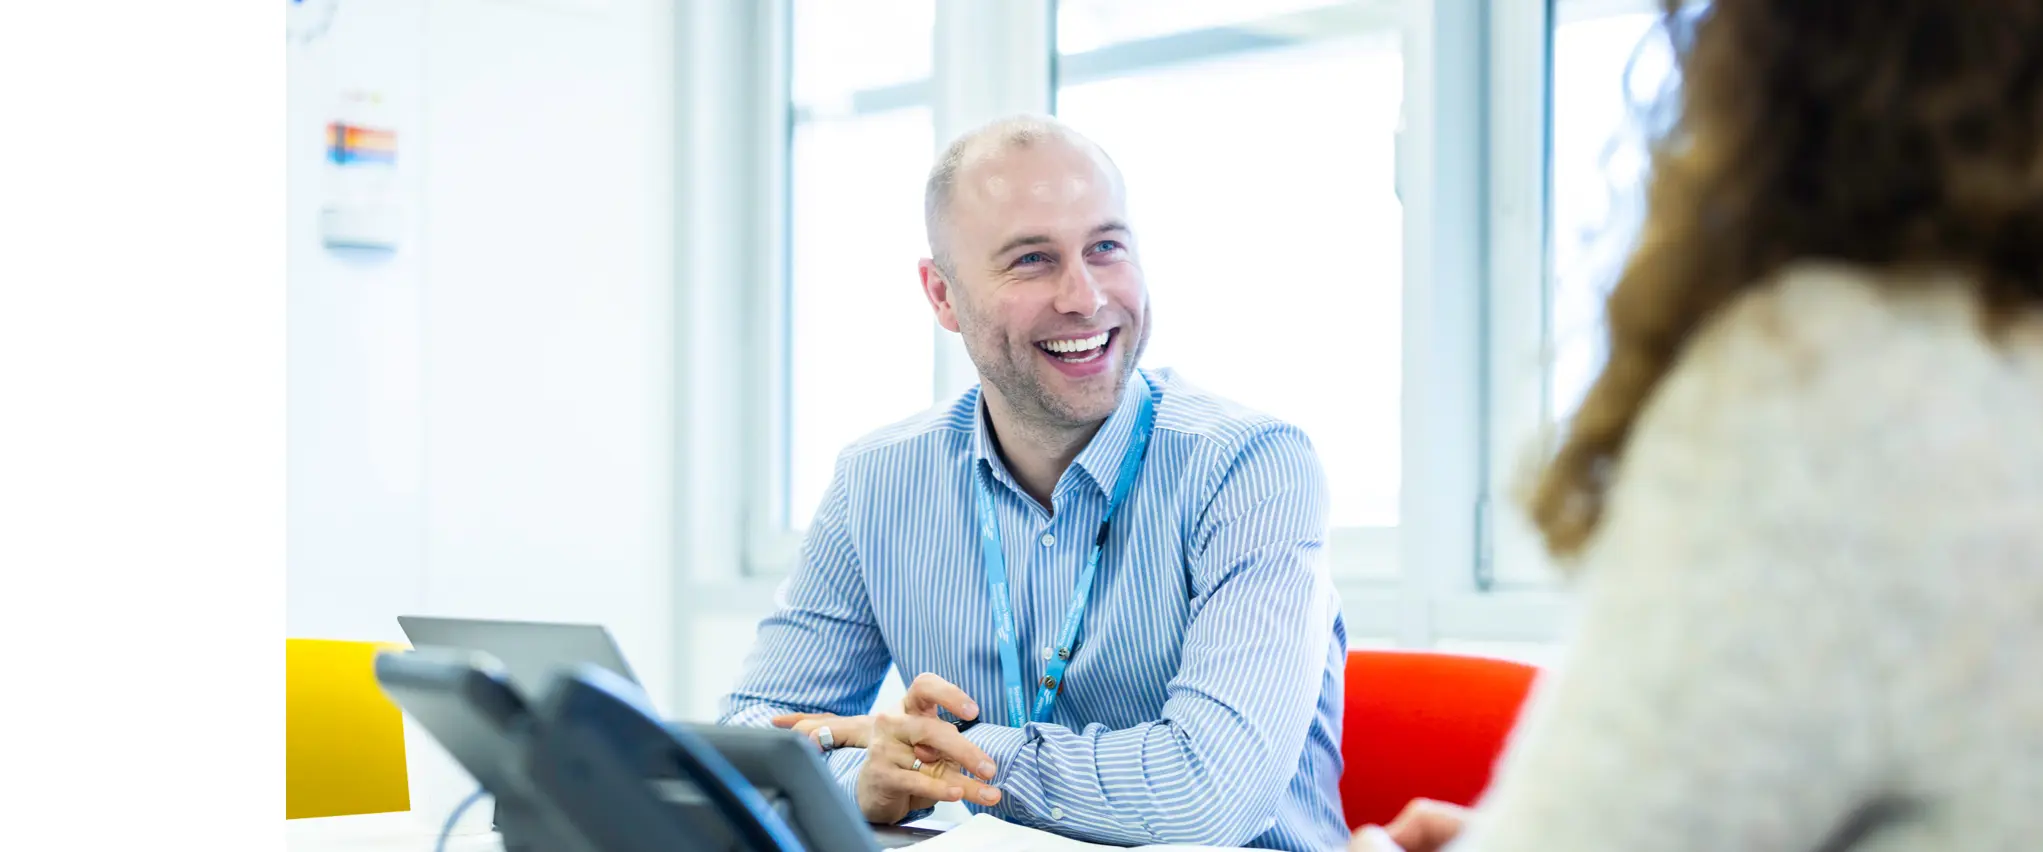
(1047, 653)
(1049, 540)
(1056, 813)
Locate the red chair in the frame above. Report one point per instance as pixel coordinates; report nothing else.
(1424, 724)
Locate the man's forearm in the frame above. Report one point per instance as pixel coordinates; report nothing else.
(758, 711)
(1153, 783)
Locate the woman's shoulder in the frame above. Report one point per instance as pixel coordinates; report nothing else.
(1837, 350)
(1847, 402)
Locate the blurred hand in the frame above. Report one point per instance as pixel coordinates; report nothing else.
(1425, 825)
(845, 731)
(1371, 838)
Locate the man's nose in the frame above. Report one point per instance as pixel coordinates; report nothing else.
(1079, 293)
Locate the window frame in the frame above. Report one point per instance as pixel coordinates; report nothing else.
(1522, 333)
(773, 545)
(1520, 285)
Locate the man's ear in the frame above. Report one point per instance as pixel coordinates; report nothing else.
(937, 287)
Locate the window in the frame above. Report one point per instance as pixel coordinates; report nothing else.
(1088, 25)
(1610, 62)
(1274, 150)
(1258, 141)
(859, 336)
(1598, 67)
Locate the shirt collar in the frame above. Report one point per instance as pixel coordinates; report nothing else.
(1101, 458)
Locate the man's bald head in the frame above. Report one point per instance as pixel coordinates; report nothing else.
(1034, 265)
(987, 141)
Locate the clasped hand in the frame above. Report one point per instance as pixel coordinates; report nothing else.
(913, 758)
(1424, 826)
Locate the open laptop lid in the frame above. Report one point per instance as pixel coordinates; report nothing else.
(532, 653)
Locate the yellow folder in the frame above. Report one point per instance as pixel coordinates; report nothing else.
(344, 739)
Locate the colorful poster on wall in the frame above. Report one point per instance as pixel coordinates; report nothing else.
(356, 63)
(363, 208)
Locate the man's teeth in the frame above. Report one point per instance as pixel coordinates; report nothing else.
(1067, 346)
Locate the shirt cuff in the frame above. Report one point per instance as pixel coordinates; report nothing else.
(755, 716)
(999, 742)
(845, 764)
(1021, 796)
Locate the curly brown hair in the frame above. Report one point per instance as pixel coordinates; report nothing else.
(1898, 135)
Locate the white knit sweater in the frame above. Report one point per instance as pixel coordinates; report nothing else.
(1818, 585)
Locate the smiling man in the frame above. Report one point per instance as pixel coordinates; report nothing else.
(1108, 583)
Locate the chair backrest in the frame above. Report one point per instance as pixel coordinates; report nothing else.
(343, 738)
(1424, 724)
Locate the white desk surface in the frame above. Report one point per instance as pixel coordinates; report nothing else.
(396, 832)
(405, 832)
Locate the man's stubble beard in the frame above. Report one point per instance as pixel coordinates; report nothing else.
(1014, 375)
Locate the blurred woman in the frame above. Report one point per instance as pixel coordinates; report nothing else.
(1803, 502)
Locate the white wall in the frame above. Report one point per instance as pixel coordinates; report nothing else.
(355, 473)
(482, 425)
(547, 309)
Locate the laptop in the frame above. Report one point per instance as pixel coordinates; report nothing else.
(531, 652)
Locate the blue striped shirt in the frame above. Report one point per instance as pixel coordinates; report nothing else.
(1203, 702)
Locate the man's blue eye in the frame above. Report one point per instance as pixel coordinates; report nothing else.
(1032, 257)
(1106, 245)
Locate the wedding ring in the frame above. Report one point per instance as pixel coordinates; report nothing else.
(917, 767)
(823, 737)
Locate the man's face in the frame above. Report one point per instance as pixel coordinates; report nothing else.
(1047, 290)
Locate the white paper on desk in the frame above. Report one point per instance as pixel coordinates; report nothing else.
(987, 833)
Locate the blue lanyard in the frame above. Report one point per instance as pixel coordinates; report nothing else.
(1003, 607)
